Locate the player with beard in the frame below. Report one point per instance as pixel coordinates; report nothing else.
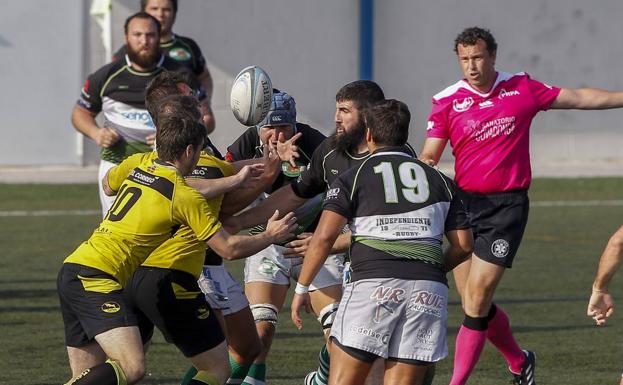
(118, 91)
(182, 49)
(346, 148)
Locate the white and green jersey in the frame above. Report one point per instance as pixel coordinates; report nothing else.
(398, 210)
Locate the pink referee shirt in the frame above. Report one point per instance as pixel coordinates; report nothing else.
(489, 133)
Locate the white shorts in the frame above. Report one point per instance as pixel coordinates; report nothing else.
(394, 318)
(270, 266)
(222, 291)
(105, 201)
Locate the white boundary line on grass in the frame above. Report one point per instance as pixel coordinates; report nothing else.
(58, 213)
(48, 213)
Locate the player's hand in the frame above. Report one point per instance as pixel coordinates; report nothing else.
(299, 301)
(298, 247)
(281, 229)
(151, 140)
(271, 160)
(287, 150)
(249, 176)
(106, 137)
(600, 307)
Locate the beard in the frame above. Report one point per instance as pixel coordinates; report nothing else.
(144, 59)
(347, 141)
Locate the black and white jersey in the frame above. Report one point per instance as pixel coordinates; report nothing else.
(398, 210)
(118, 91)
(249, 146)
(326, 165)
(181, 49)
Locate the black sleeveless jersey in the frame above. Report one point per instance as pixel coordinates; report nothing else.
(398, 210)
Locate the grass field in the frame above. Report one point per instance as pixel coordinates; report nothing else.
(545, 293)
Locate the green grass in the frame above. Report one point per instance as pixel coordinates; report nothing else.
(545, 293)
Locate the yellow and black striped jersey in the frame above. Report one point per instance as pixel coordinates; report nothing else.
(151, 205)
(183, 251)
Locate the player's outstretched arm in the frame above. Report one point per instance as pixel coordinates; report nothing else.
(211, 188)
(283, 199)
(587, 99)
(432, 150)
(298, 247)
(461, 245)
(601, 304)
(329, 228)
(238, 199)
(233, 247)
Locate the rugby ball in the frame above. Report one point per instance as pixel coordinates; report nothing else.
(251, 95)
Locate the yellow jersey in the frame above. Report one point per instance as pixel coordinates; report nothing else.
(152, 203)
(183, 251)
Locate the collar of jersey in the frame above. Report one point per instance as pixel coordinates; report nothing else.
(500, 77)
(170, 42)
(390, 150)
(128, 63)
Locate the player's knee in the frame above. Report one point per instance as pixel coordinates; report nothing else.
(133, 369)
(327, 315)
(248, 353)
(265, 313)
(616, 240)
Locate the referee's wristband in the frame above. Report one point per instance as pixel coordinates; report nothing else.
(301, 289)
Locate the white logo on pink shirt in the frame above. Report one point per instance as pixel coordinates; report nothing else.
(503, 93)
(430, 125)
(495, 127)
(462, 106)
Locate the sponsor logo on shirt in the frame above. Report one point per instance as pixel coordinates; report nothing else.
(503, 93)
(430, 125)
(180, 54)
(463, 105)
(334, 171)
(485, 104)
(332, 193)
(493, 128)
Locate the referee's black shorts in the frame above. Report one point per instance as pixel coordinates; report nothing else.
(498, 222)
(172, 301)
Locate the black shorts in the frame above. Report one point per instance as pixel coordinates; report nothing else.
(87, 312)
(498, 222)
(172, 301)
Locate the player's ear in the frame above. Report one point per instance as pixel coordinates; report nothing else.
(368, 135)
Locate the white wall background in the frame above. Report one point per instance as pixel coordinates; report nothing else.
(310, 49)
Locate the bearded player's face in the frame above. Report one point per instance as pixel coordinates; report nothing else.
(142, 40)
(349, 126)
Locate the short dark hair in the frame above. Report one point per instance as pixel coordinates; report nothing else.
(173, 5)
(363, 93)
(470, 36)
(388, 122)
(141, 15)
(163, 85)
(176, 105)
(175, 133)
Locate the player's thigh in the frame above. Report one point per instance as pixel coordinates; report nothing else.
(84, 357)
(346, 369)
(264, 292)
(321, 298)
(214, 360)
(398, 373)
(124, 346)
(461, 273)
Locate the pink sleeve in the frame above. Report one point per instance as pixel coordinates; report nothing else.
(437, 126)
(543, 94)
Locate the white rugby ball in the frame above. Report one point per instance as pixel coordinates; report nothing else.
(251, 95)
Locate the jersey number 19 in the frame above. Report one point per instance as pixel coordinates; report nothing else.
(414, 184)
